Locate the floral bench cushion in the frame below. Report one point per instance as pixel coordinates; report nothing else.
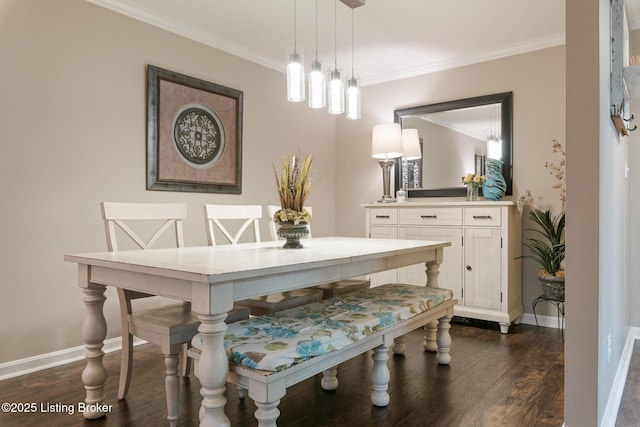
(275, 342)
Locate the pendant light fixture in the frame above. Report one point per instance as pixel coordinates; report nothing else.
(317, 80)
(295, 67)
(353, 89)
(336, 86)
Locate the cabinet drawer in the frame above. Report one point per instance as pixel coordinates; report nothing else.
(431, 216)
(484, 217)
(384, 216)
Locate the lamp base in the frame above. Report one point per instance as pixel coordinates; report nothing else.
(387, 199)
(386, 166)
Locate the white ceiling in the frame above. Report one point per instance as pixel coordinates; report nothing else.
(392, 38)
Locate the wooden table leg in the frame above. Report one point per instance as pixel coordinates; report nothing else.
(213, 370)
(430, 330)
(94, 331)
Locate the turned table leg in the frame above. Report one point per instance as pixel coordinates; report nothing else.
(430, 330)
(213, 370)
(94, 331)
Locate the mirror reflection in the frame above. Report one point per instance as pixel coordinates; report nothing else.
(456, 138)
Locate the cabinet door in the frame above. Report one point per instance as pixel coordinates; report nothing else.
(389, 276)
(450, 276)
(482, 271)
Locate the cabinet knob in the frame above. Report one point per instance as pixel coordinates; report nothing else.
(468, 268)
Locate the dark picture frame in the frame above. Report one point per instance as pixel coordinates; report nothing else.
(194, 134)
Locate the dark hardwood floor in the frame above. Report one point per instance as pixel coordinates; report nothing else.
(493, 380)
(629, 411)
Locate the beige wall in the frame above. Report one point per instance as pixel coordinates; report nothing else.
(537, 82)
(73, 119)
(72, 114)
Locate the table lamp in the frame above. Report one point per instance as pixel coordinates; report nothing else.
(386, 145)
(411, 150)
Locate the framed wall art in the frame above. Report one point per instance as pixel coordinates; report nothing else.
(194, 134)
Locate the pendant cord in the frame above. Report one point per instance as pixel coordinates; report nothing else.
(335, 34)
(295, 29)
(352, 44)
(316, 30)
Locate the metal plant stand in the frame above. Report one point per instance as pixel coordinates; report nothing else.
(559, 303)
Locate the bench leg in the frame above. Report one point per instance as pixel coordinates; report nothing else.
(267, 413)
(330, 379)
(398, 345)
(430, 334)
(444, 340)
(380, 376)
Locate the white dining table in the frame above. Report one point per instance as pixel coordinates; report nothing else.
(212, 278)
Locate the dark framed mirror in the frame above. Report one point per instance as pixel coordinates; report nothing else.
(455, 138)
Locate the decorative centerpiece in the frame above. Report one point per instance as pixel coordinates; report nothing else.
(494, 187)
(549, 251)
(473, 182)
(293, 186)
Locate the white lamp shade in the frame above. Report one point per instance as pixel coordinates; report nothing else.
(411, 144)
(386, 141)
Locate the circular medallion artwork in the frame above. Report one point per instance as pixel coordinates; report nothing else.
(199, 135)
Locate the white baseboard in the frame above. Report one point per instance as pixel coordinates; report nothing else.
(15, 368)
(545, 321)
(617, 389)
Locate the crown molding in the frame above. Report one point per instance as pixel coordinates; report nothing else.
(510, 50)
(187, 31)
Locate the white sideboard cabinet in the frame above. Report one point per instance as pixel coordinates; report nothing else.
(481, 266)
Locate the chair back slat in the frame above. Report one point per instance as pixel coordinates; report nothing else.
(251, 214)
(118, 215)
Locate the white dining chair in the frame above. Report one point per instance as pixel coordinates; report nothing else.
(169, 325)
(246, 216)
(329, 290)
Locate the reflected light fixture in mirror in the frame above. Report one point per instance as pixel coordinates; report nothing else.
(386, 145)
(295, 66)
(411, 150)
(494, 144)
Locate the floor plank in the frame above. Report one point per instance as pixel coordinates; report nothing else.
(629, 411)
(493, 380)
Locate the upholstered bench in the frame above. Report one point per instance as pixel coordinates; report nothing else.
(269, 353)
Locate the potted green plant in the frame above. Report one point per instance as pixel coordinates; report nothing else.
(549, 251)
(293, 187)
(547, 247)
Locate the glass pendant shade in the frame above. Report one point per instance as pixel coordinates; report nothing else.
(317, 86)
(295, 75)
(336, 93)
(353, 99)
